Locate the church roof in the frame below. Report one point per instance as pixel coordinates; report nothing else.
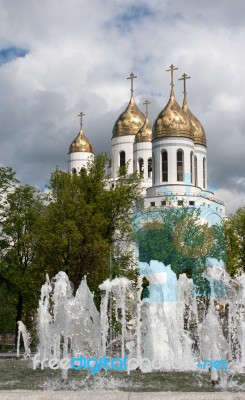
(145, 132)
(81, 144)
(196, 126)
(172, 121)
(130, 121)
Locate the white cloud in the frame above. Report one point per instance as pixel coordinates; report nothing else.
(79, 55)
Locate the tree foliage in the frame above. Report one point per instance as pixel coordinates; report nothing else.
(82, 221)
(8, 304)
(19, 269)
(234, 228)
(80, 227)
(7, 179)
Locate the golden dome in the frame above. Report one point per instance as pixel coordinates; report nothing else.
(145, 133)
(81, 144)
(172, 121)
(130, 121)
(196, 126)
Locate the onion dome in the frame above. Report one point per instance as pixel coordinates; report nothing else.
(172, 121)
(145, 133)
(130, 121)
(196, 126)
(81, 143)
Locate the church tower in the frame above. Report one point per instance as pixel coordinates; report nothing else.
(172, 144)
(124, 131)
(80, 151)
(142, 152)
(179, 159)
(198, 171)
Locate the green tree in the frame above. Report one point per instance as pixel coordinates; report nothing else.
(7, 179)
(7, 324)
(18, 264)
(7, 312)
(7, 183)
(234, 228)
(83, 221)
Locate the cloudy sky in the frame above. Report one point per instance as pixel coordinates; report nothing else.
(60, 57)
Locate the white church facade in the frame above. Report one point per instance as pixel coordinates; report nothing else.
(170, 157)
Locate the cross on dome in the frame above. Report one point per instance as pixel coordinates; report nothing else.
(146, 103)
(171, 69)
(184, 77)
(132, 77)
(81, 115)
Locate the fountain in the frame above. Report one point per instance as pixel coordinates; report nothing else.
(169, 337)
(173, 329)
(26, 340)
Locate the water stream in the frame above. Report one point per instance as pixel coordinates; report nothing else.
(168, 332)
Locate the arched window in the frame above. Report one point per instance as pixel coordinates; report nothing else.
(149, 167)
(191, 166)
(204, 172)
(122, 158)
(141, 167)
(180, 166)
(195, 170)
(164, 166)
(74, 171)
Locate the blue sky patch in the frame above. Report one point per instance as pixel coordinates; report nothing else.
(10, 53)
(135, 13)
(132, 15)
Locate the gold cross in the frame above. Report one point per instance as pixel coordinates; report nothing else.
(171, 69)
(184, 77)
(146, 103)
(132, 76)
(81, 116)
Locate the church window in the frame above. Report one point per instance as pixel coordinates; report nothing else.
(195, 170)
(163, 203)
(149, 167)
(180, 165)
(191, 203)
(141, 167)
(122, 158)
(191, 166)
(164, 166)
(74, 171)
(152, 203)
(204, 172)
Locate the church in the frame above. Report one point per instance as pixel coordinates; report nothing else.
(170, 156)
